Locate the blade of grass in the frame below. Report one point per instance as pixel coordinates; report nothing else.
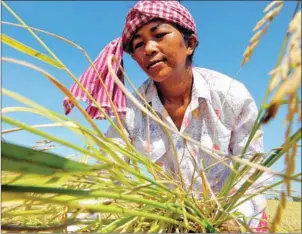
(29, 51)
(167, 206)
(105, 146)
(50, 125)
(45, 159)
(52, 138)
(84, 151)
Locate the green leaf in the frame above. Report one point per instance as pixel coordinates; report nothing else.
(22, 159)
(25, 167)
(53, 180)
(30, 51)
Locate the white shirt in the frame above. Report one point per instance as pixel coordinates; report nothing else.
(220, 116)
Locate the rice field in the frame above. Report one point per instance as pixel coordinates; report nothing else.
(291, 218)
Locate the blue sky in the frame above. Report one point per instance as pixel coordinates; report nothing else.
(224, 29)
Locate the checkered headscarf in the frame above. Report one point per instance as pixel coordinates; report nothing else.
(140, 14)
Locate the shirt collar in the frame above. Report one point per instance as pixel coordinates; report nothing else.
(200, 88)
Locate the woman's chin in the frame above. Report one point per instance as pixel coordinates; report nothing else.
(158, 79)
(160, 76)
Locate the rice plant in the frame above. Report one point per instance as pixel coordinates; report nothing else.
(42, 191)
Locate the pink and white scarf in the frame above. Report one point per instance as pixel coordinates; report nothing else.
(140, 14)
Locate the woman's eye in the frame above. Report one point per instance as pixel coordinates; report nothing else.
(138, 45)
(160, 35)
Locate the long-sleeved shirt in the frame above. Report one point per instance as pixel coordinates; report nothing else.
(220, 116)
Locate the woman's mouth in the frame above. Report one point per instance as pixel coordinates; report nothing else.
(156, 64)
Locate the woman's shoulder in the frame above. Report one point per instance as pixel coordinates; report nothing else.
(222, 84)
(224, 89)
(219, 82)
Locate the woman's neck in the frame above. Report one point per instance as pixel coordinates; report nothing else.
(176, 89)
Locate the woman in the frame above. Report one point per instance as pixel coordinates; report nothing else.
(208, 106)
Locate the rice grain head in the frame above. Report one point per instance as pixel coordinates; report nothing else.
(259, 24)
(287, 76)
(271, 5)
(287, 87)
(271, 14)
(287, 79)
(262, 25)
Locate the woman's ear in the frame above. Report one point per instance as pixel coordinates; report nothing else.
(191, 44)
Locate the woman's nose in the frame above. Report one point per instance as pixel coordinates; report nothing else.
(151, 48)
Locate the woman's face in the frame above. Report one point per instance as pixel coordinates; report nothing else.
(160, 50)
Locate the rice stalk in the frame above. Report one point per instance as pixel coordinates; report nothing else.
(29, 51)
(51, 125)
(57, 84)
(261, 116)
(80, 85)
(87, 57)
(260, 191)
(98, 156)
(288, 73)
(287, 78)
